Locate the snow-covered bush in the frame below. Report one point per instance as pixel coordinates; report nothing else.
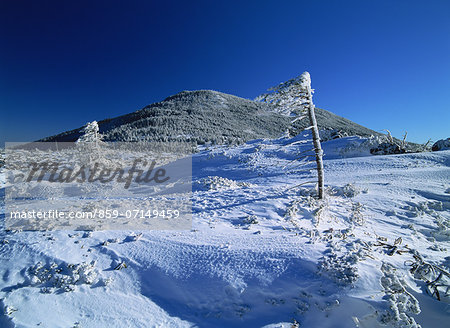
(356, 215)
(348, 191)
(64, 277)
(251, 219)
(402, 304)
(443, 144)
(9, 310)
(341, 268)
(390, 146)
(331, 134)
(387, 148)
(437, 279)
(218, 183)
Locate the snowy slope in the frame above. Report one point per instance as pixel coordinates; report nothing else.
(259, 254)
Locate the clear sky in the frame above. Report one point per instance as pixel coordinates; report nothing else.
(382, 64)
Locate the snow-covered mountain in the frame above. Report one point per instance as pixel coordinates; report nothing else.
(209, 116)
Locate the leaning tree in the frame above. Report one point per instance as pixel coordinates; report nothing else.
(295, 96)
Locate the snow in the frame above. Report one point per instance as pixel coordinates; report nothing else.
(260, 253)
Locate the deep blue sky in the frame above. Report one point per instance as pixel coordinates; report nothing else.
(383, 64)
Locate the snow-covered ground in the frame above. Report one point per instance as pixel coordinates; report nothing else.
(260, 253)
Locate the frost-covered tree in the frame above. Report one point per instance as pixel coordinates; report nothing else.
(91, 134)
(89, 143)
(294, 97)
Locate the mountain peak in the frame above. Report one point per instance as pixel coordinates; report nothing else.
(208, 116)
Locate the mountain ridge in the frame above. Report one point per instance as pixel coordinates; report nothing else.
(203, 116)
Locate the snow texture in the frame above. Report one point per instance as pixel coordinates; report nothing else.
(260, 253)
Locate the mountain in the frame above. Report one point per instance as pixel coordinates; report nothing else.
(209, 116)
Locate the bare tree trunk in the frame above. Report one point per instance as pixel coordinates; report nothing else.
(316, 141)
